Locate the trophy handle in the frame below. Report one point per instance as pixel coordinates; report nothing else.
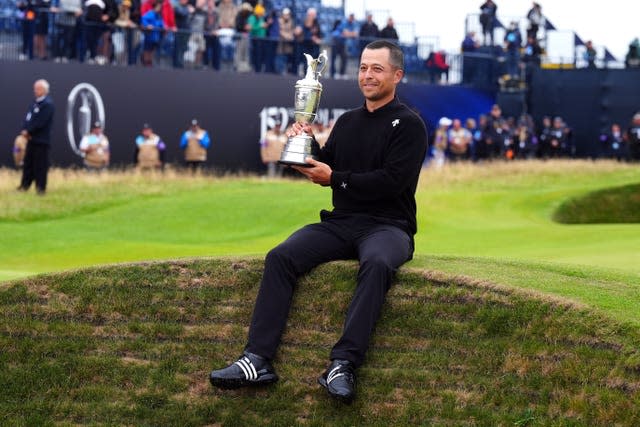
(322, 62)
(315, 66)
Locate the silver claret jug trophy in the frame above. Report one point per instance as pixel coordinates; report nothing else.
(307, 99)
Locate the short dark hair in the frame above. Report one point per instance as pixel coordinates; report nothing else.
(396, 57)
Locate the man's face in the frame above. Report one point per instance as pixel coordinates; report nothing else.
(377, 78)
(38, 90)
(146, 132)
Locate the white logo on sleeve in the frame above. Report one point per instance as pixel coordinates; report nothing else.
(343, 185)
(395, 122)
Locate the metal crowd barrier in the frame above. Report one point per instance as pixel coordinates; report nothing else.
(227, 51)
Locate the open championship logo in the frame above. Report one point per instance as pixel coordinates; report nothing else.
(84, 107)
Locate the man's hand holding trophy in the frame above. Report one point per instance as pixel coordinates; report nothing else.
(300, 145)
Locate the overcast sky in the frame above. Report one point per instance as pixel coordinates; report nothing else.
(610, 23)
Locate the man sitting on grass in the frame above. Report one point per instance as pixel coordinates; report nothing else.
(371, 161)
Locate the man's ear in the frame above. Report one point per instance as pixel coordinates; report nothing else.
(398, 75)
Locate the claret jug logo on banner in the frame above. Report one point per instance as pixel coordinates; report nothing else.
(84, 107)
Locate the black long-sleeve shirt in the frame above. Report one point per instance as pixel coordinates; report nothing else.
(376, 159)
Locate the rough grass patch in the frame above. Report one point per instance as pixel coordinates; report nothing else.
(447, 351)
(608, 206)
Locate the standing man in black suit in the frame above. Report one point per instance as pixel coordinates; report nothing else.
(37, 130)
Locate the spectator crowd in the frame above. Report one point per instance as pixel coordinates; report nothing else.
(494, 137)
(250, 36)
(261, 36)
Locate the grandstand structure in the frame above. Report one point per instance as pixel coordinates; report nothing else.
(135, 92)
(416, 48)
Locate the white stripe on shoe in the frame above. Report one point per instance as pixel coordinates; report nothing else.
(247, 368)
(240, 363)
(333, 374)
(253, 368)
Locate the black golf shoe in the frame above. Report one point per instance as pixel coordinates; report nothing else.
(249, 370)
(340, 380)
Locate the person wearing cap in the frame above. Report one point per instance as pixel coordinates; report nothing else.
(257, 26)
(95, 148)
(149, 153)
(194, 143)
(440, 141)
(37, 130)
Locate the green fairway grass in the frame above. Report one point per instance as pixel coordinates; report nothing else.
(503, 317)
(133, 345)
(485, 221)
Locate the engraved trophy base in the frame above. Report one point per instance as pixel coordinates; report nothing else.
(297, 149)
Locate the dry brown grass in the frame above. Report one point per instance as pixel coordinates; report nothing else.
(454, 173)
(58, 177)
(451, 173)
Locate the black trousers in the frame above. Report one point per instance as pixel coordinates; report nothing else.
(36, 166)
(380, 248)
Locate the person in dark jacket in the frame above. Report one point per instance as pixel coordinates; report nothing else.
(488, 11)
(98, 15)
(28, 9)
(368, 31)
(633, 138)
(389, 32)
(37, 129)
(371, 161)
(613, 143)
(183, 12)
(512, 45)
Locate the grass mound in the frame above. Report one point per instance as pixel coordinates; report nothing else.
(133, 345)
(608, 206)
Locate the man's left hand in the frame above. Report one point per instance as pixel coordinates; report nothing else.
(318, 173)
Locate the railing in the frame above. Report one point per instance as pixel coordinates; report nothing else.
(109, 44)
(561, 48)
